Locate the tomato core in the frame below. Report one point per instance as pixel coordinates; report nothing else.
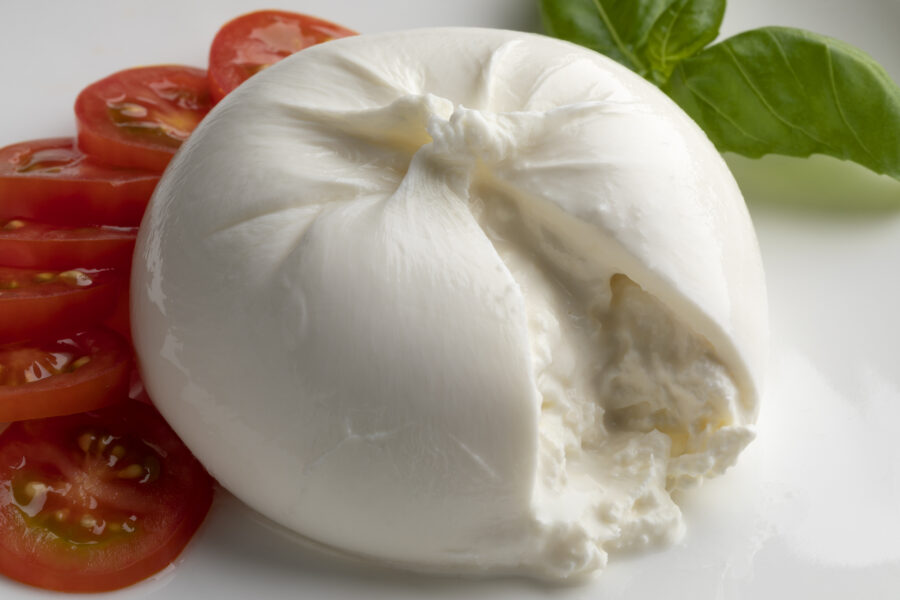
(96, 501)
(167, 119)
(139, 117)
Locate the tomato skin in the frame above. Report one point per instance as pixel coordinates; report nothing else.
(103, 379)
(139, 117)
(52, 181)
(32, 309)
(251, 42)
(27, 244)
(96, 530)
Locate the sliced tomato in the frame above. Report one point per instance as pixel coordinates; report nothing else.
(51, 181)
(119, 320)
(252, 42)
(96, 501)
(78, 372)
(35, 245)
(139, 117)
(34, 302)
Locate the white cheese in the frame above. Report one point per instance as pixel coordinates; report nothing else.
(461, 300)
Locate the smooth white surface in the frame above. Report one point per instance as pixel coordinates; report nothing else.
(812, 508)
(381, 269)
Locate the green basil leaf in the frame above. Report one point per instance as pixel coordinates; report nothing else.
(792, 92)
(685, 28)
(616, 28)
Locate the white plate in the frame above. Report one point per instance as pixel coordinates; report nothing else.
(813, 508)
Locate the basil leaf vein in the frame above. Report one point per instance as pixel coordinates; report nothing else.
(684, 29)
(616, 28)
(798, 92)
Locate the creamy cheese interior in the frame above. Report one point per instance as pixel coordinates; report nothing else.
(457, 300)
(633, 403)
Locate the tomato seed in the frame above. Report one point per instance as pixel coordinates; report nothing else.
(81, 362)
(131, 472)
(105, 441)
(129, 109)
(35, 488)
(76, 277)
(88, 522)
(85, 441)
(44, 277)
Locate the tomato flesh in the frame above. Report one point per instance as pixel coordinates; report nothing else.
(63, 375)
(139, 117)
(252, 42)
(35, 245)
(96, 501)
(119, 320)
(52, 181)
(35, 302)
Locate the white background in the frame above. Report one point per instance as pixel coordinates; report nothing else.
(813, 508)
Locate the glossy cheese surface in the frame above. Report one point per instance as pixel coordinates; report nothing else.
(457, 299)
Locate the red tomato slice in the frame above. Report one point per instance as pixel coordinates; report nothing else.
(34, 303)
(139, 117)
(252, 42)
(96, 501)
(119, 320)
(34, 245)
(51, 181)
(79, 372)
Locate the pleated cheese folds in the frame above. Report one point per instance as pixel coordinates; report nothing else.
(458, 300)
